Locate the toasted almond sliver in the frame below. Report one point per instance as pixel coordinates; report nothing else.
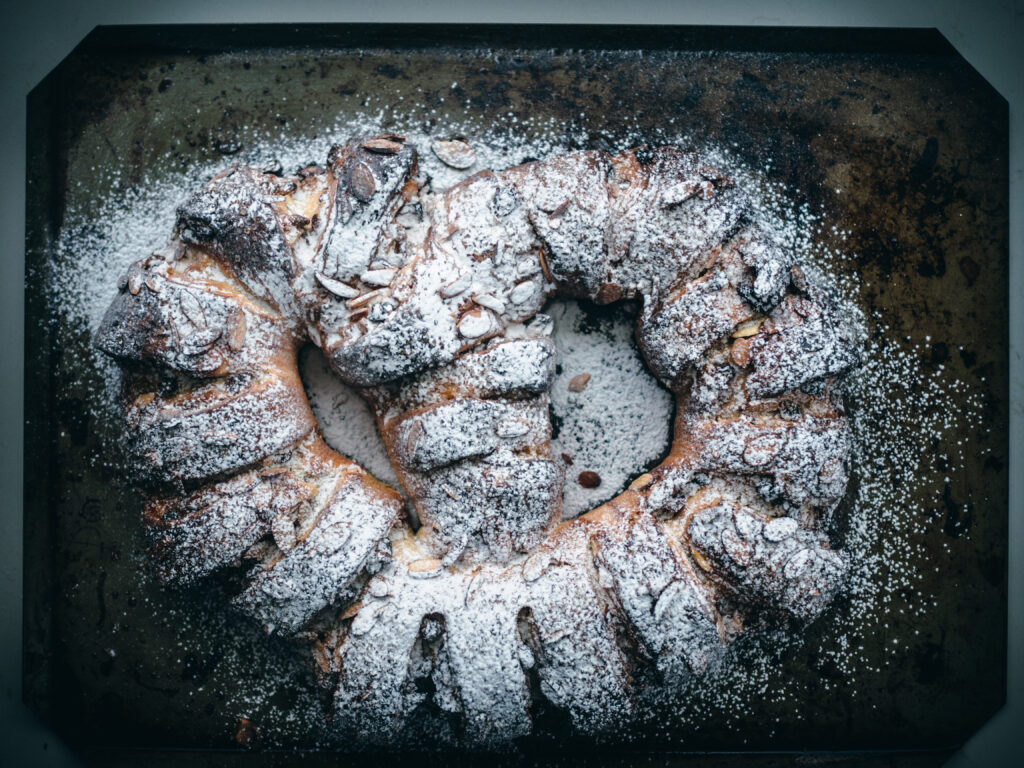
(457, 286)
(378, 277)
(641, 482)
(338, 288)
(455, 153)
(368, 298)
(748, 328)
(475, 323)
(236, 335)
(579, 383)
(382, 146)
(535, 566)
(701, 560)
(523, 292)
(145, 399)
(352, 610)
(425, 565)
(740, 352)
(490, 301)
(543, 264)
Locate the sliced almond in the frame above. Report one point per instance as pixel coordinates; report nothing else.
(740, 352)
(379, 277)
(387, 261)
(364, 620)
(526, 266)
(145, 399)
(736, 548)
(559, 211)
(579, 383)
(283, 530)
(535, 566)
(368, 298)
(701, 560)
(351, 611)
(543, 263)
(458, 285)
(339, 289)
(382, 146)
(201, 341)
(239, 326)
(362, 183)
(749, 328)
(378, 587)
(800, 563)
(314, 335)
(490, 301)
(191, 308)
(425, 565)
(523, 292)
(679, 192)
(134, 281)
(641, 482)
(454, 153)
(475, 323)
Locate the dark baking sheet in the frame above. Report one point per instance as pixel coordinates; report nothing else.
(918, 139)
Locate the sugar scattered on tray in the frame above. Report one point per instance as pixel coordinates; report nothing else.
(881, 527)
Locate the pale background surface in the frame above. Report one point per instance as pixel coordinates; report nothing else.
(38, 34)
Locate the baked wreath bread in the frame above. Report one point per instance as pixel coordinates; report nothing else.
(491, 609)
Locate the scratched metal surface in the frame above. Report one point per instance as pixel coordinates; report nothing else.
(915, 137)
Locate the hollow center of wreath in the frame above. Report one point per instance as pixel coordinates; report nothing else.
(610, 418)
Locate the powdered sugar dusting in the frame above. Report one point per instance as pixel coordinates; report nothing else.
(620, 423)
(344, 417)
(95, 247)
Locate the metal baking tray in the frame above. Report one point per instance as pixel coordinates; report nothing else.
(913, 138)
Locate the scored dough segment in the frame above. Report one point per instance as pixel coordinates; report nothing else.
(479, 608)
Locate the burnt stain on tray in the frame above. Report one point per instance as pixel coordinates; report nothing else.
(915, 142)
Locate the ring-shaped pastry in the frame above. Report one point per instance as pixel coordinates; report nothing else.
(481, 605)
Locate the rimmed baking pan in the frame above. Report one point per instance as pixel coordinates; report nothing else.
(891, 154)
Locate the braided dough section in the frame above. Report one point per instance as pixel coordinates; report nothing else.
(490, 611)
